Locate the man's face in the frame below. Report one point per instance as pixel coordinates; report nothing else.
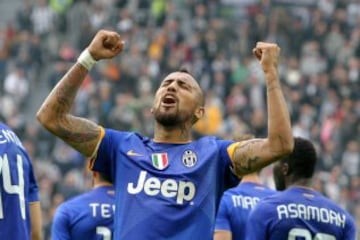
(279, 177)
(177, 100)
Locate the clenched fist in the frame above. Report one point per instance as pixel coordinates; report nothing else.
(268, 55)
(105, 45)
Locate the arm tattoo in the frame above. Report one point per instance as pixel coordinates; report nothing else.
(66, 92)
(55, 113)
(245, 166)
(77, 136)
(245, 159)
(77, 130)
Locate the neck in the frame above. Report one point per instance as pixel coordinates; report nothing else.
(253, 177)
(101, 184)
(176, 134)
(303, 183)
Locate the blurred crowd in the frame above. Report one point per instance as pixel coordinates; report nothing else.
(213, 39)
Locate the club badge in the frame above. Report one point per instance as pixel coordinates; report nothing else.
(189, 158)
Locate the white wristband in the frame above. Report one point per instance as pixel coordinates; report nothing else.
(86, 60)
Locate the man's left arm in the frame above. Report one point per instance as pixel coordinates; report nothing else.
(251, 155)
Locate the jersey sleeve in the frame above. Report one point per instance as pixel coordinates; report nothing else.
(104, 159)
(33, 187)
(256, 224)
(60, 229)
(230, 179)
(223, 216)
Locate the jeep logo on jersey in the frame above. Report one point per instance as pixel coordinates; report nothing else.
(189, 158)
(169, 188)
(160, 160)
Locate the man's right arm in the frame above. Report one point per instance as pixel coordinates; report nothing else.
(54, 114)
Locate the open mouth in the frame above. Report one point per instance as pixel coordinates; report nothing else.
(169, 100)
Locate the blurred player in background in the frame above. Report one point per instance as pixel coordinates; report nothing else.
(299, 212)
(168, 186)
(20, 212)
(88, 216)
(236, 204)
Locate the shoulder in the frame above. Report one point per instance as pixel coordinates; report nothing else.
(73, 203)
(263, 210)
(213, 140)
(268, 203)
(230, 192)
(113, 133)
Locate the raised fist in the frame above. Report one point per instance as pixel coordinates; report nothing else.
(268, 55)
(105, 45)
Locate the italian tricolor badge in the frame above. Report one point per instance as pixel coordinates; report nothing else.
(160, 160)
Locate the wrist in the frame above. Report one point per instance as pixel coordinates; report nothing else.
(270, 72)
(271, 75)
(86, 60)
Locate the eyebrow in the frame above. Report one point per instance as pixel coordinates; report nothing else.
(186, 81)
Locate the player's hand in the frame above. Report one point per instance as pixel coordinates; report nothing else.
(105, 45)
(268, 55)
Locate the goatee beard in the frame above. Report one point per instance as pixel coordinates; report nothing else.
(167, 120)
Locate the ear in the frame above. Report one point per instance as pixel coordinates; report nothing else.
(285, 169)
(199, 112)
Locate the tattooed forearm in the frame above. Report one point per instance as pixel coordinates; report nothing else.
(272, 88)
(66, 91)
(245, 166)
(55, 113)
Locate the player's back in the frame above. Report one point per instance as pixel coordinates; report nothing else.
(17, 187)
(236, 205)
(88, 216)
(300, 213)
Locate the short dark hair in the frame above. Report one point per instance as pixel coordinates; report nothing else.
(302, 160)
(185, 70)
